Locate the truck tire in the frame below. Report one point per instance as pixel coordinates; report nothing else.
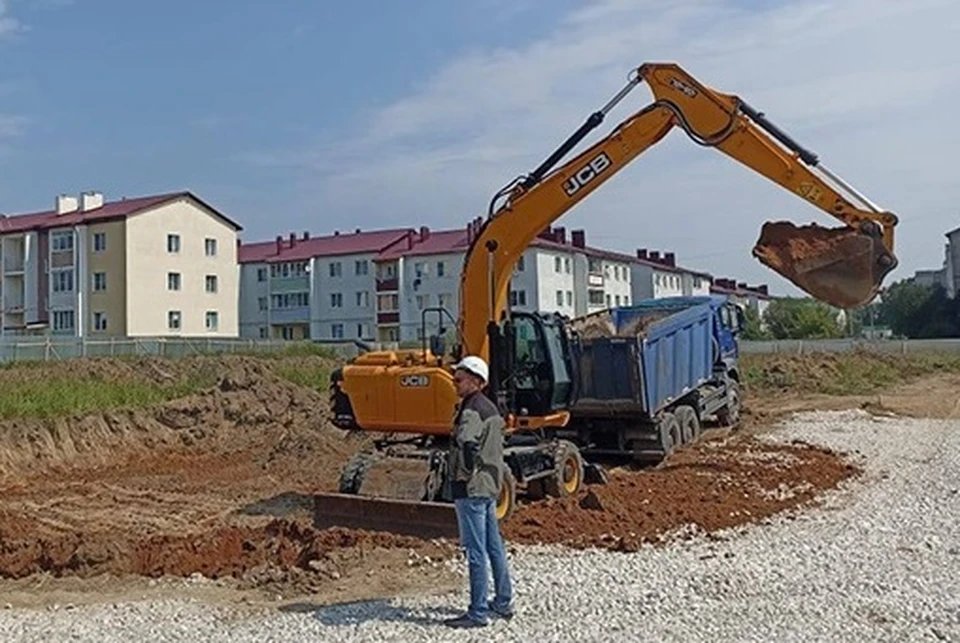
(689, 423)
(668, 432)
(729, 416)
(507, 500)
(568, 471)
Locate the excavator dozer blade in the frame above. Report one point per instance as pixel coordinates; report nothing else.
(402, 517)
(839, 266)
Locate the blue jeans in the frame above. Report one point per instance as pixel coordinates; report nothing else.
(480, 537)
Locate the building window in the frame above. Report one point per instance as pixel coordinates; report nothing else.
(61, 241)
(569, 298)
(608, 301)
(363, 299)
(211, 283)
(518, 297)
(262, 303)
(557, 264)
(62, 280)
(595, 297)
(559, 298)
(99, 281)
(264, 332)
(286, 332)
(261, 274)
(291, 300)
(336, 331)
(361, 267)
(63, 320)
(99, 321)
(566, 265)
(520, 264)
(173, 243)
(173, 281)
(212, 319)
(420, 269)
(361, 331)
(441, 268)
(173, 319)
(336, 300)
(388, 303)
(335, 269)
(445, 300)
(617, 299)
(210, 247)
(626, 300)
(99, 241)
(423, 301)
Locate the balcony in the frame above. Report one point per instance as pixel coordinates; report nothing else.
(388, 318)
(297, 315)
(390, 284)
(299, 283)
(13, 306)
(12, 265)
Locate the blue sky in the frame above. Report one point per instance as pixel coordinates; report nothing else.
(298, 114)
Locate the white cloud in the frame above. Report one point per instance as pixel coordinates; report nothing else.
(8, 24)
(869, 85)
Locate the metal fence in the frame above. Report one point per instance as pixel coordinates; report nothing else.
(895, 346)
(23, 349)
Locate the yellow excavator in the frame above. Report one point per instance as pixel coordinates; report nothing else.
(409, 395)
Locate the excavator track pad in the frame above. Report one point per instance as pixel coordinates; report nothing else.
(842, 266)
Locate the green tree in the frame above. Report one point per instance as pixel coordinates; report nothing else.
(802, 318)
(916, 311)
(752, 325)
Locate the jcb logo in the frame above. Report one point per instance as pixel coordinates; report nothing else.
(587, 173)
(419, 381)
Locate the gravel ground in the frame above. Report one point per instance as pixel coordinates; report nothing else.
(879, 561)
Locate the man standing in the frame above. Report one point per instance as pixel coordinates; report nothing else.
(476, 468)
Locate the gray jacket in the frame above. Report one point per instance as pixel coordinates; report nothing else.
(475, 461)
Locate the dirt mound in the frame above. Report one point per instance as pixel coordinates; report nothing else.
(712, 485)
(249, 406)
(281, 551)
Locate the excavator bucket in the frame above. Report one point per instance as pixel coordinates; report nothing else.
(842, 267)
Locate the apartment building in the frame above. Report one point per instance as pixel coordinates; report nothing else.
(756, 297)
(312, 287)
(147, 266)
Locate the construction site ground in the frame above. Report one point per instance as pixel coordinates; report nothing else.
(202, 489)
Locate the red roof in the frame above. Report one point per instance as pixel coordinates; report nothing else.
(307, 248)
(109, 210)
(426, 243)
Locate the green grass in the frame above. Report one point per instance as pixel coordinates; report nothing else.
(58, 395)
(314, 376)
(855, 373)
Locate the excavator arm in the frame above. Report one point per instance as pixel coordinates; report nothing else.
(843, 267)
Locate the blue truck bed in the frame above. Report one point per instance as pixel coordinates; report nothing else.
(635, 360)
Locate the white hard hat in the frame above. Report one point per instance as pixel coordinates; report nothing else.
(475, 365)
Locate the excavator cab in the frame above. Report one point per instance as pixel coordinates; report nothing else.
(532, 372)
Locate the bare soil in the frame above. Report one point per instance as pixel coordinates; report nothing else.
(142, 502)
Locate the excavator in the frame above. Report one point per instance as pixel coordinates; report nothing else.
(408, 396)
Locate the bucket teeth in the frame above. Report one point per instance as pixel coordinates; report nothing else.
(839, 266)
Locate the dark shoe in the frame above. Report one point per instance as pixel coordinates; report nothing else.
(506, 613)
(463, 621)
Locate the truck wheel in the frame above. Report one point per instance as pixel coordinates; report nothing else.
(729, 415)
(351, 478)
(689, 423)
(668, 430)
(568, 472)
(507, 500)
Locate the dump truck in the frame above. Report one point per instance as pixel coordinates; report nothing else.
(649, 375)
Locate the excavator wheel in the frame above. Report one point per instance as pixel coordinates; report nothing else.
(507, 500)
(843, 267)
(568, 474)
